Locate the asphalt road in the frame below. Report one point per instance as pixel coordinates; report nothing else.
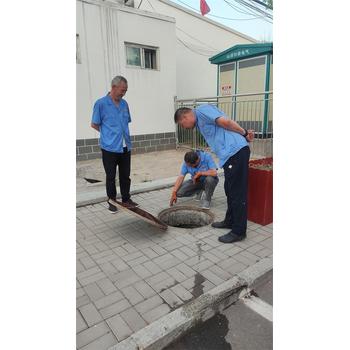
(245, 325)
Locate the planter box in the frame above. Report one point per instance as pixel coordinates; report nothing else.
(260, 191)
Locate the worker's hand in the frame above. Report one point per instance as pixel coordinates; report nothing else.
(250, 136)
(196, 177)
(173, 199)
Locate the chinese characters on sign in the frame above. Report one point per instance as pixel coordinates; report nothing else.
(238, 53)
(226, 90)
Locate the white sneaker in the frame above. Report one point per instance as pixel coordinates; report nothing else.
(205, 204)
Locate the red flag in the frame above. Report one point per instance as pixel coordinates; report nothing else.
(204, 7)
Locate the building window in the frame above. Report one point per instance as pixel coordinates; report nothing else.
(78, 55)
(141, 56)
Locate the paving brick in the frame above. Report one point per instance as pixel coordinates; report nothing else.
(87, 262)
(92, 278)
(130, 248)
(79, 292)
(232, 266)
(148, 304)
(212, 257)
(120, 265)
(79, 267)
(106, 286)
(119, 327)
(156, 313)
(233, 251)
(132, 256)
(142, 271)
(179, 254)
(165, 284)
(189, 252)
(82, 301)
(125, 278)
(171, 298)
(144, 289)
(212, 277)
(220, 272)
(202, 265)
(176, 274)
(255, 248)
(108, 268)
(133, 319)
(149, 253)
(80, 322)
(120, 251)
(132, 295)
(192, 261)
(245, 260)
(267, 243)
(166, 261)
(102, 343)
(159, 250)
(88, 272)
(137, 261)
(109, 300)
(101, 246)
(90, 314)
(93, 291)
(152, 267)
(264, 252)
(92, 333)
(157, 278)
(186, 270)
(181, 292)
(115, 309)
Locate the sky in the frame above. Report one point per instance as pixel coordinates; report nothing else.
(257, 28)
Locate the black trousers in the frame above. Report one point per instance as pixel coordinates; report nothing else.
(236, 190)
(110, 162)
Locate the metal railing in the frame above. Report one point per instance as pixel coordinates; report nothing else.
(250, 111)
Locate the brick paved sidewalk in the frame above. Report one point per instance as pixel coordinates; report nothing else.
(129, 273)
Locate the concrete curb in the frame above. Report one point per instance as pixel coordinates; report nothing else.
(97, 193)
(168, 328)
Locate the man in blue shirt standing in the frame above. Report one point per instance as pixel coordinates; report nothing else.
(204, 178)
(111, 117)
(229, 142)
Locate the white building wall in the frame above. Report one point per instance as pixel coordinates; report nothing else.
(196, 77)
(103, 28)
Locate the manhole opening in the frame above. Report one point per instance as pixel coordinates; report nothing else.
(92, 181)
(186, 217)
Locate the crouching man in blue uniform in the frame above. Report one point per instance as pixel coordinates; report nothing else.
(203, 180)
(229, 142)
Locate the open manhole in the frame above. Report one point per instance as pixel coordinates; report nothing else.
(186, 217)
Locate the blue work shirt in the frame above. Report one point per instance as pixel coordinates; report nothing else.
(114, 124)
(224, 143)
(206, 162)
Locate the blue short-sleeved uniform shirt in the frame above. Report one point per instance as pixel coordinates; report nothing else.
(224, 143)
(114, 124)
(206, 162)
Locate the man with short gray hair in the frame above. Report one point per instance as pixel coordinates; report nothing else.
(111, 117)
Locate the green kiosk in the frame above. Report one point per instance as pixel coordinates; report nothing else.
(244, 85)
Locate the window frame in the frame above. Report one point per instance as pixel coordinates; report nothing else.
(142, 49)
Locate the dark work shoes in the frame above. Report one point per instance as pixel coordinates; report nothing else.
(220, 224)
(231, 238)
(130, 204)
(112, 208)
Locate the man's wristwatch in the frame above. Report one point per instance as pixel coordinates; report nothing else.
(245, 133)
